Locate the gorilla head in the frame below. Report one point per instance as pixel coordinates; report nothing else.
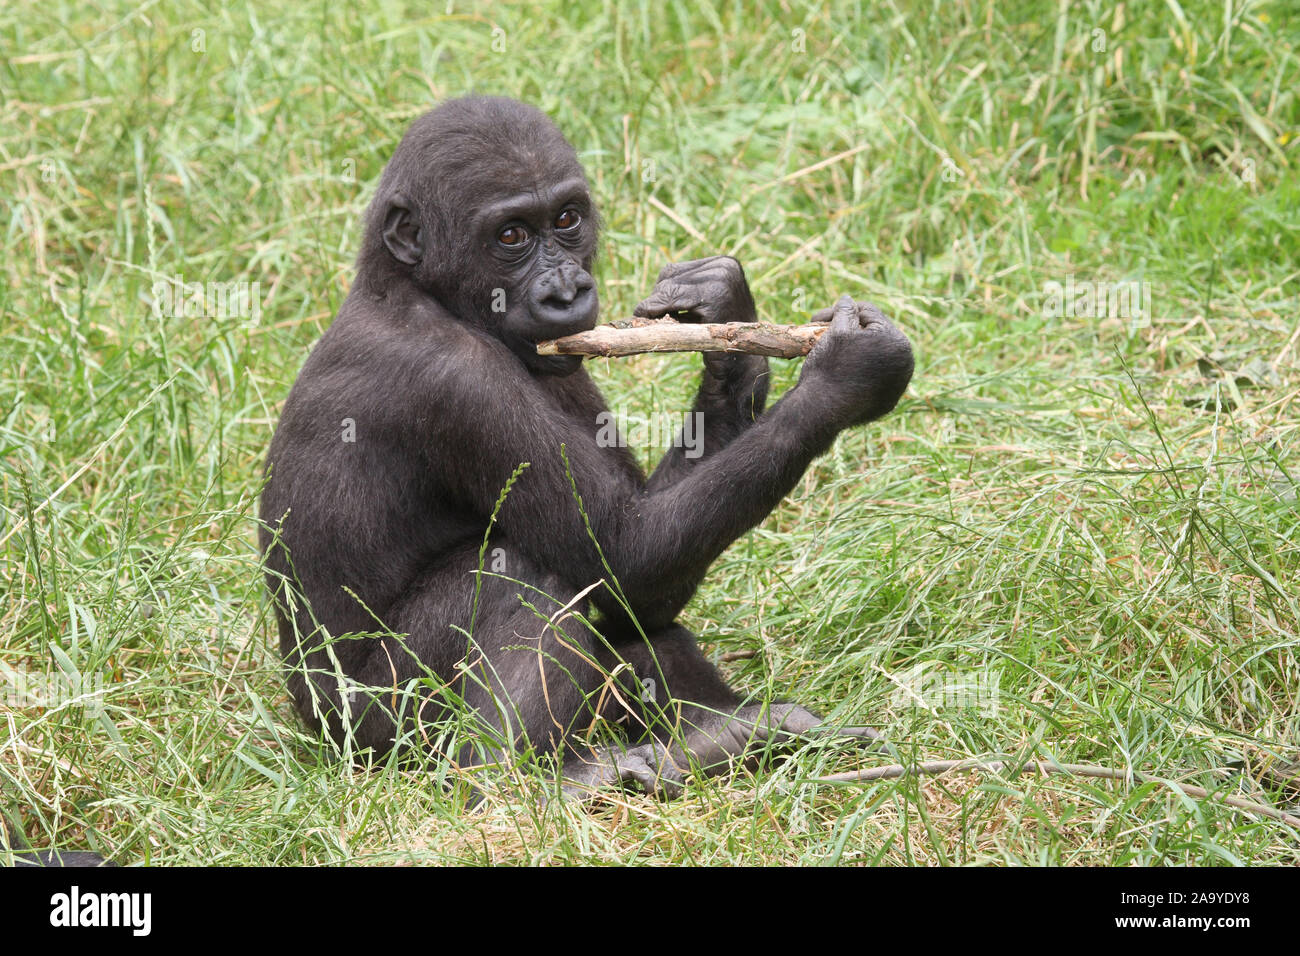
(485, 207)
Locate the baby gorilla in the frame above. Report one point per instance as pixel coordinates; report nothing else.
(444, 531)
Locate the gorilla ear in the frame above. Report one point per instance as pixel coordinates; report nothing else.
(402, 234)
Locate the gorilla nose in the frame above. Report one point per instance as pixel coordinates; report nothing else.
(564, 301)
(561, 287)
(568, 314)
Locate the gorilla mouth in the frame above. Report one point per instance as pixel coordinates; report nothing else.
(548, 322)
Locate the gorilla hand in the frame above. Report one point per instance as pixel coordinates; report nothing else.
(860, 366)
(702, 290)
(705, 291)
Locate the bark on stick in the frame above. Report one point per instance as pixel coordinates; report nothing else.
(635, 336)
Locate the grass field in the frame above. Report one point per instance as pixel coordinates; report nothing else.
(1076, 540)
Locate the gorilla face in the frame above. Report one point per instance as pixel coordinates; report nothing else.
(539, 245)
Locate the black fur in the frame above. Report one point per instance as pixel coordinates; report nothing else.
(25, 856)
(432, 359)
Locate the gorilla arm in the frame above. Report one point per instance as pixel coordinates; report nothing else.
(658, 540)
(731, 397)
(733, 388)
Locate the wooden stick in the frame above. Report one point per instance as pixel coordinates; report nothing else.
(635, 336)
(937, 767)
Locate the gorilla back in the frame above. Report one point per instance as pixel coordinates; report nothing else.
(426, 399)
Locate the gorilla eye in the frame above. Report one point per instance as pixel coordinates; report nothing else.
(513, 236)
(568, 220)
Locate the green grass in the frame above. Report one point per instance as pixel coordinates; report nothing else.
(1073, 513)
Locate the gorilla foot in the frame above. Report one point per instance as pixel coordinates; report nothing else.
(758, 729)
(646, 767)
(745, 735)
(797, 722)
